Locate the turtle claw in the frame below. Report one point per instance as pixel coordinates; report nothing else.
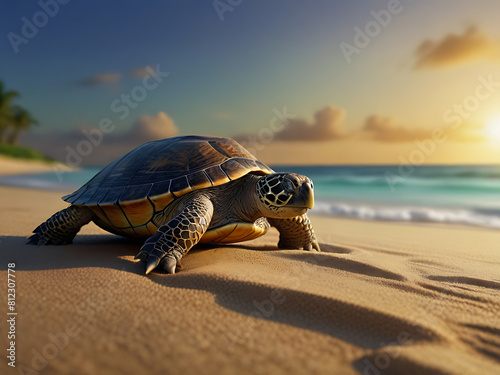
(153, 261)
(156, 258)
(169, 264)
(315, 246)
(311, 246)
(141, 256)
(33, 240)
(38, 240)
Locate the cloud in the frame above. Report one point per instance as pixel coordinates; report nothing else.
(141, 71)
(98, 79)
(112, 78)
(455, 49)
(385, 129)
(327, 125)
(111, 146)
(148, 128)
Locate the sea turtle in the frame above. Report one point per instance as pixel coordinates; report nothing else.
(180, 191)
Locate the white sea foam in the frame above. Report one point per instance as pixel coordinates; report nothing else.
(460, 198)
(408, 214)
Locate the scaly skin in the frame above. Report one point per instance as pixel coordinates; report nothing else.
(174, 239)
(187, 219)
(62, 227)
(296, 233)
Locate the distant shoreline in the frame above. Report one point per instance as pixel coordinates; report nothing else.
(14, 166)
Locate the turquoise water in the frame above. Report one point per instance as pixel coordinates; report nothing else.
(446, 194)
(467, 195)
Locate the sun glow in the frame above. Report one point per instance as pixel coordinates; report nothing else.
(493, 129)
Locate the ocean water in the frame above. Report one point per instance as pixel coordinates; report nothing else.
(466, 195)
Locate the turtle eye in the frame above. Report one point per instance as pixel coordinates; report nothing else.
(289, 186)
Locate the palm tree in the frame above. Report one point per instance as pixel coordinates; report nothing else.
(22, 121)
(6, 110)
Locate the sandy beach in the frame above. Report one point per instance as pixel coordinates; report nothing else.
(13, 166)
(380, 299)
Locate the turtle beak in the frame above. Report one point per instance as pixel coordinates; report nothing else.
(304, 198)
(306, 192)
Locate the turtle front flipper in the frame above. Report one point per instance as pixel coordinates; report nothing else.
(178, 236)
(296, 233)
(62, 227)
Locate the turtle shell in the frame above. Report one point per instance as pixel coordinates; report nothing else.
(131, 189)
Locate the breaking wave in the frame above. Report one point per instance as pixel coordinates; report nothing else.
(479, 218)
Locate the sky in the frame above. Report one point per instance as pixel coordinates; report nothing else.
(296, 82)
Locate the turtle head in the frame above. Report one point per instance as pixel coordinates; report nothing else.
(285, 194)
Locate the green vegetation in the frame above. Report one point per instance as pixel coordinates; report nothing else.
(22, 152)
(13, 118)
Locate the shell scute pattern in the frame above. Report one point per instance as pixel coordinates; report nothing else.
(134, 190)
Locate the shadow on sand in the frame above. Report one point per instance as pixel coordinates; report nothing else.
(356, 324)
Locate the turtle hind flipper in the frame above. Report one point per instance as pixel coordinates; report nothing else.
(62, 227)
(39, 239)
